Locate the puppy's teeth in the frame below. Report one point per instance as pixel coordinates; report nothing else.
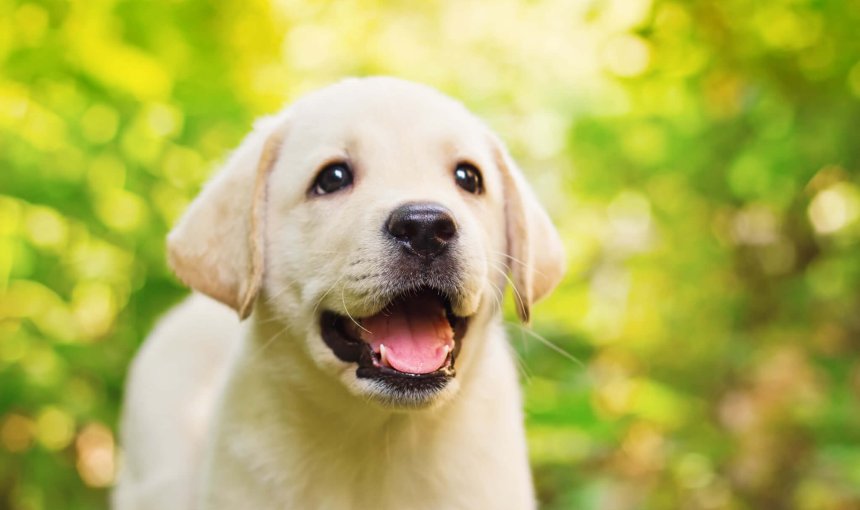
(383, 360)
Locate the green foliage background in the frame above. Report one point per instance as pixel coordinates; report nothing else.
(700, 158)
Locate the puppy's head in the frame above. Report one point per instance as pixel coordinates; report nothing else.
(379, 220)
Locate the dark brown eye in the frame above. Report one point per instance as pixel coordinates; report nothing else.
(469, 178)
(333, 177)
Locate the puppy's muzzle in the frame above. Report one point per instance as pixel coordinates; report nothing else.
(409, 345)
(423, 229)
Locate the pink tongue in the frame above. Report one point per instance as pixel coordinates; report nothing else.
(416, 335)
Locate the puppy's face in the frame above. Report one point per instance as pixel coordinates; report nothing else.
(385, 231)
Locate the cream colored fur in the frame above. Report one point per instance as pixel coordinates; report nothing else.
(260, 414)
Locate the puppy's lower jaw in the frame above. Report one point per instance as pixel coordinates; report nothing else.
(408, 349)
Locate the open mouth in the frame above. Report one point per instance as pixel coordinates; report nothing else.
(411, 344)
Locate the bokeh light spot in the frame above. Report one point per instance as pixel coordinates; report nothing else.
(99, 123)
(46, 228)
(31, 22)
(54, 428)
(163, 120)
(629, 216)
(43, 366)
(94, 259)
(121, 210)
(834, 208)
(42, 128)
(13, 344)
(106, 172)
(94, 307)
(16, 433)
(755, 224)
(626, 55)
(184, 167)
(784, 28)
(169, 202)
(96, 455)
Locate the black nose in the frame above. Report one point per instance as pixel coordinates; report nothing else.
(424, 229)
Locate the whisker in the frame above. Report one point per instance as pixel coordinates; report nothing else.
(514, 287)
(523, 368)
(549, 344)
(342, 300)
(270, 320)
(498, 295)
(280, 293)
(518, 261)
(320, 300)
(511, 257)
(267, 343)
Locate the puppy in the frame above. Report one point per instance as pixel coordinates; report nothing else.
(366, 233)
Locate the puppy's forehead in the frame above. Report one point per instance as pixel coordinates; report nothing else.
(372, 111)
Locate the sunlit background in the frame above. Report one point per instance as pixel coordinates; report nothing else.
(700, 158)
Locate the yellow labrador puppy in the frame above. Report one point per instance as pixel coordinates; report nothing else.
(366, 233)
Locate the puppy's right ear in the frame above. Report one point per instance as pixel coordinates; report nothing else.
(217, 247)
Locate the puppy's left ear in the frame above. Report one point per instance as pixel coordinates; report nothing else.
(217, 247)
(535, 250)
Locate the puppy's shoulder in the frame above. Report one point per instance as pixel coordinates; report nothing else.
(196, 322)
(191, 343)
(170, 394)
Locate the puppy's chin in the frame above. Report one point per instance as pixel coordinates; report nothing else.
(399, 397)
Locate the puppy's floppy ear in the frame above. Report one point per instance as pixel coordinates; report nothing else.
(217, 247)
(535, 250)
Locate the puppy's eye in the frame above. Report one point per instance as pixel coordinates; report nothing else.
(333, 177)
(469, 178)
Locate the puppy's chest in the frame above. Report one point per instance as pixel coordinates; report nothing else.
(365, 473)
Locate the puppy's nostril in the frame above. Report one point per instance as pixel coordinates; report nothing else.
(445, 229)
(424, 229)
(403, 230)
